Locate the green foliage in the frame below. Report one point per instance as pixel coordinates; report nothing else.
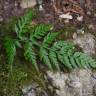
(71, 59)
(10, 49)
(30, 54)
(37, 43)
(53, 59)
(45, 58)
(84, 59)
(23, 24)
(39, 31)
(49, 39)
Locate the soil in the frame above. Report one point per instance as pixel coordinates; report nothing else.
(9, 8)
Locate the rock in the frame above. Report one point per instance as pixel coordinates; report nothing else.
(68, 84)
(1, 18)
(89, 13)
(87, 42)
(40, 3)
(80, 18)
(29, 90)
(66, 21)
(79, 82)
(94, 82)
(80, 31)
(74, 86)
(94, 14)
(58, 79)
(66, 16)
(85, 78)
(76, 83)
(33, 90)
(28, 3)
(91, 26)
(40, 8)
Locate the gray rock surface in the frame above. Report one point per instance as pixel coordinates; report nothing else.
(28, 3)
(87, 42)
(33, 90)
(77, 83)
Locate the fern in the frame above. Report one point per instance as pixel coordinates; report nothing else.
(10, 50)
(30, 54)
(22, 25)
(72, 59)
(53, 54)
(40, 31)
(84, 60)
(49, 39)
(53, 59)
(44, 55)
(64, 52)
(41, 43)
(45, 58)
(10, 44)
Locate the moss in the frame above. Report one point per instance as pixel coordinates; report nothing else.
(11, 83)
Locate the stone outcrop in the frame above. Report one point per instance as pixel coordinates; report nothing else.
(28, 3)
(86, 41)
(77, 83)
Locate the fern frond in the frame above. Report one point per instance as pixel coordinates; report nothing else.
(53, 54)
(22, 25)
(75, 56)
(40, 31)
(53, 59)
(49, 39)
(64, 59)
(43, 52)
(61, 52)
(73, 63)
(85, 61)
(30, 54)
(45, 58)
(10, 49)
(71, 59)
(18, 44)
(81, 58)
(63, 44)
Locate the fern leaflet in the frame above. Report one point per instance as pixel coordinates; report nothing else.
(53, 59)
(41, 30)
(10, 49)
(30, 54)
(49, 39)
(45, 58)
(22, 25)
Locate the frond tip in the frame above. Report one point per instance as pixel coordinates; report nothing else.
(22, 25)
